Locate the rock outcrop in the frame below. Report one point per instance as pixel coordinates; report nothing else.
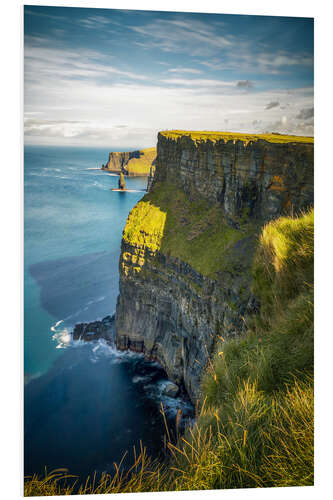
(94, 331)
(187, 248)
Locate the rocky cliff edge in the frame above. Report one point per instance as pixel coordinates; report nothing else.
(188, 245)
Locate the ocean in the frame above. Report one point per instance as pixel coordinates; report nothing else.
(85, 404)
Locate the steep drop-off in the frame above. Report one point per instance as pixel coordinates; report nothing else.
(187, 248)
(133, 163)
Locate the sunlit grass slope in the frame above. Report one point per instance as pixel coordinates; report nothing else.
(194, 232)
(258, 391)
(141, 166)
(205, 135)
(255, 423)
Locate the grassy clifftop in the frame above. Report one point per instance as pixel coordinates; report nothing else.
(233, 136)
(141, 166)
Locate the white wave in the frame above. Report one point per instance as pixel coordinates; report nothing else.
(93, 168)
(53, 328)
(61, 335)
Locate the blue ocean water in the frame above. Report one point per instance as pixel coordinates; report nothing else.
(85, 404)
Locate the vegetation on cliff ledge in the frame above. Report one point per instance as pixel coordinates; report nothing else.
(255, 425)
(194, 232)
(234, 136)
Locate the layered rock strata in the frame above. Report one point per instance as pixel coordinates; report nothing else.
(187, 248)
(261, 177)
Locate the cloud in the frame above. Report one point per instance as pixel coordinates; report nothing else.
(89, 113)
(197, 82)
(94, 22)
(185, 70)
(58, 65)
(247, 84)
(243, 56)
(272, 105)
(305, 114)
(284, 59)
(175, 35)
(84, 97)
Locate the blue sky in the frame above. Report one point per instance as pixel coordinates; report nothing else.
(97, 77)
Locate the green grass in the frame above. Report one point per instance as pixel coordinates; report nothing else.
(145, 226)
(255, 422)
(284, 263)
(194, 232)
(141, 166)
(262, 383)
(204, 135)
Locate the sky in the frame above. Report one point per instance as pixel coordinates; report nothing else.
(106, 77)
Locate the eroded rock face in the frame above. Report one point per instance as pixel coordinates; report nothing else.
(260, 178)
(175, 315)
(167, 309)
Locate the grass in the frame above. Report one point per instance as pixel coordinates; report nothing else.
(143, 475)
(145, 226)
(141, 166)
(233, 136)
(194, 232)
(255, 423)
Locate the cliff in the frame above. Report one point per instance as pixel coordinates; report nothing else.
(188, 245)
(132, 163)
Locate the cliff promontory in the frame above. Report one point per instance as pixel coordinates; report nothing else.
(188, 245)
(132, 163)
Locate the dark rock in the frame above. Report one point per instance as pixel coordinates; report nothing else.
(170, 389)
(94, 331)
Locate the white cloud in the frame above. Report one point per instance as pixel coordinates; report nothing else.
(197, 82)
(44, 62)
(185, 70)
(195, 37)
(131, 114)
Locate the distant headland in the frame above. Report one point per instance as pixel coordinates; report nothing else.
(131, 163)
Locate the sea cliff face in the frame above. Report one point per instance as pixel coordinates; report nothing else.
(261, 177)
(187, 248)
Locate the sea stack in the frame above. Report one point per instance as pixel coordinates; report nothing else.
(121, 182)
